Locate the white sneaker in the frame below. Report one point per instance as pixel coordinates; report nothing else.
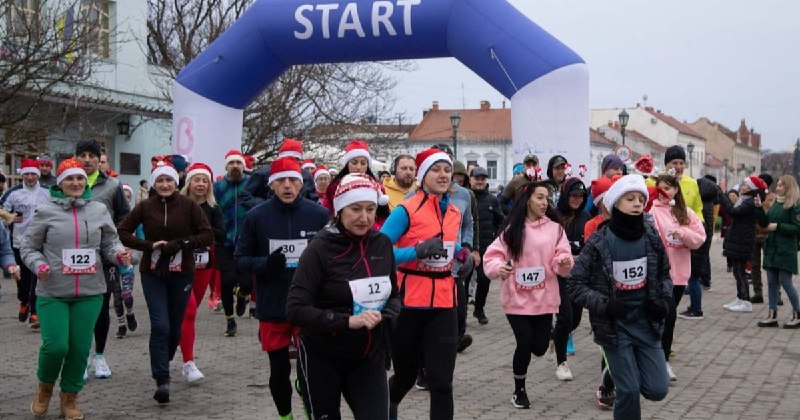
(86, 372)
(551, 352)
(101, 369)
(671, 373)
(743, 306)
(563, 373)
(731, 303)
(191, 372)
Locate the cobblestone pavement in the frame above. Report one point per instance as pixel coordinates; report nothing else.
(727, 368)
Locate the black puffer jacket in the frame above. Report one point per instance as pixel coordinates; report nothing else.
(320, 300)
(575, 228)
(490, 218)
(741, 237)
(590, 283)
(709, 194)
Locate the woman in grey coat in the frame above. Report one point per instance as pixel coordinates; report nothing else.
(66, 239)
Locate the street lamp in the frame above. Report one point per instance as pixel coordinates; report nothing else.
(725, 163)
(455, 121)
(690, 149)
(623, 122)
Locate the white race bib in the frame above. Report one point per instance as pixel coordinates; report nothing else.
(174, 263)
(630, 275)
(201, 259)
(370, 293)
(78, 261)
(291, 248)
(530, 277)
(441, 261)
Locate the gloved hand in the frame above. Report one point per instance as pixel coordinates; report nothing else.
(462, 255)
(171, 248)
(430, 248)
(162, 265)
(616, 308)
(276, 262)
(466, 267)
(657, 310)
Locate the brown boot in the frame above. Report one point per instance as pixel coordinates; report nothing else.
(41, 400)
(69, 406)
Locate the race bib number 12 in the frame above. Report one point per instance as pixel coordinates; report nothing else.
(370, 293)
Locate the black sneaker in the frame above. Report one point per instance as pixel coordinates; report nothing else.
(122, 331)
(605, 399)
(757, 299)
(231, 330)
(690, 314)
(241, 304)
(162, 394)
(132, 324)
(464, 342)
(520, 399)
(422, 381)
(481, 315)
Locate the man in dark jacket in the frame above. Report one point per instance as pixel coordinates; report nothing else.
(490, 219)
(556, 175)
(258, 189)
(273, 236)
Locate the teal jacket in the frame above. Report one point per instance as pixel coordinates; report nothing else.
(780, 249)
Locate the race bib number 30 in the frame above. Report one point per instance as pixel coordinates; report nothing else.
(174, 263)
(630, 275)
(291, 248)
(370, 293)
(78, 261)
(530, 277)
(440, 261)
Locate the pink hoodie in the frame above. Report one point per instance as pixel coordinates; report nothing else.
(678, 250)
(545, 245)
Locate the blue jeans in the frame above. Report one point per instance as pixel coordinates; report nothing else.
(776, 278)
(695, 294)
(166, 303)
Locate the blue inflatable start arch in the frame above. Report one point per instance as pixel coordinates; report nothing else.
(546, 81)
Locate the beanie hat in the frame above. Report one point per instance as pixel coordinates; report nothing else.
(127, 187)
(285, 167)
(199, 168)
(45, 160)
(767, 178)
(308, 164)
(321, 170)
(249, 163)
(459, 168)
(92, 146)
(354, 149)
(517, 168)
(426, 159)
(291, 148)
(644, 164)
(358, 187)
(179, 162)
(626, 184)
(674, 152)
(611, 162)
(29, 166)
(69, 167)
(755, 183)
(234, 155)
(163, 167)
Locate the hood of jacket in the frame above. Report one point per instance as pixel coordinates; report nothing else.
(570, 185)
(551, 163)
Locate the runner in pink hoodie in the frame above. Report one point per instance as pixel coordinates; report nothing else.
(681, 231)
(526, 258)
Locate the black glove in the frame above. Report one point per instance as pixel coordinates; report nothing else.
(466, 267)
(276, 262)
(171, 248)
(162, 265)
(616, 308)
(432, 247)
(657, 310)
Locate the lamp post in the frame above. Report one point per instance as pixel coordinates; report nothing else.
(455, 121)
(623, 122)
(725, 164)
(690, 149)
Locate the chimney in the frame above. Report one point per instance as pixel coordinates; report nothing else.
(504, 104)
(648, 108)
(485, 105)
(435, 106)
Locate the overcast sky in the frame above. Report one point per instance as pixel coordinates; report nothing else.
(723, 59)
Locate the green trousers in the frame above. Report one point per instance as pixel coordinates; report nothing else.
(67, 327)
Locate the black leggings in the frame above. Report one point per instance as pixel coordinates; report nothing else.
(230, 278)
(280, 385)
(481, 288)
(742, 288)
(568, 318)
(532, 333)
(429, 335)
(26, 286)
(323, 381)
(669, 324)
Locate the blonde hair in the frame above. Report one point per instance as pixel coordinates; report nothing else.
(210, 199)
(791, 191)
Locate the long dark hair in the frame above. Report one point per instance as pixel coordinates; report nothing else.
(679, 209)
(346, 170)
(513, 229)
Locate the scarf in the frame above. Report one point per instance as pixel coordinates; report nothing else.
(626, 226)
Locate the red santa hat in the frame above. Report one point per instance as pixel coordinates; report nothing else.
(163, 167)
(249, 163)
(755, 183)
(234, 155)
(427, 158)
(69, 167)
(320, 170)
(29, 166)
(354, 149)
(285, 167)
(355, 188)
(309, 164)
(199, 168)
(291, 148)
(45, 161)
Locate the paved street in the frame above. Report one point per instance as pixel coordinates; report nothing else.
(727, 368)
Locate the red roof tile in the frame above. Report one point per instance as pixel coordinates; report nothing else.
(672, 122)
(596, 137)
(476, 124)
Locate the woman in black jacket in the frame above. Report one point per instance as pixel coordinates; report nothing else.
(343, 296)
